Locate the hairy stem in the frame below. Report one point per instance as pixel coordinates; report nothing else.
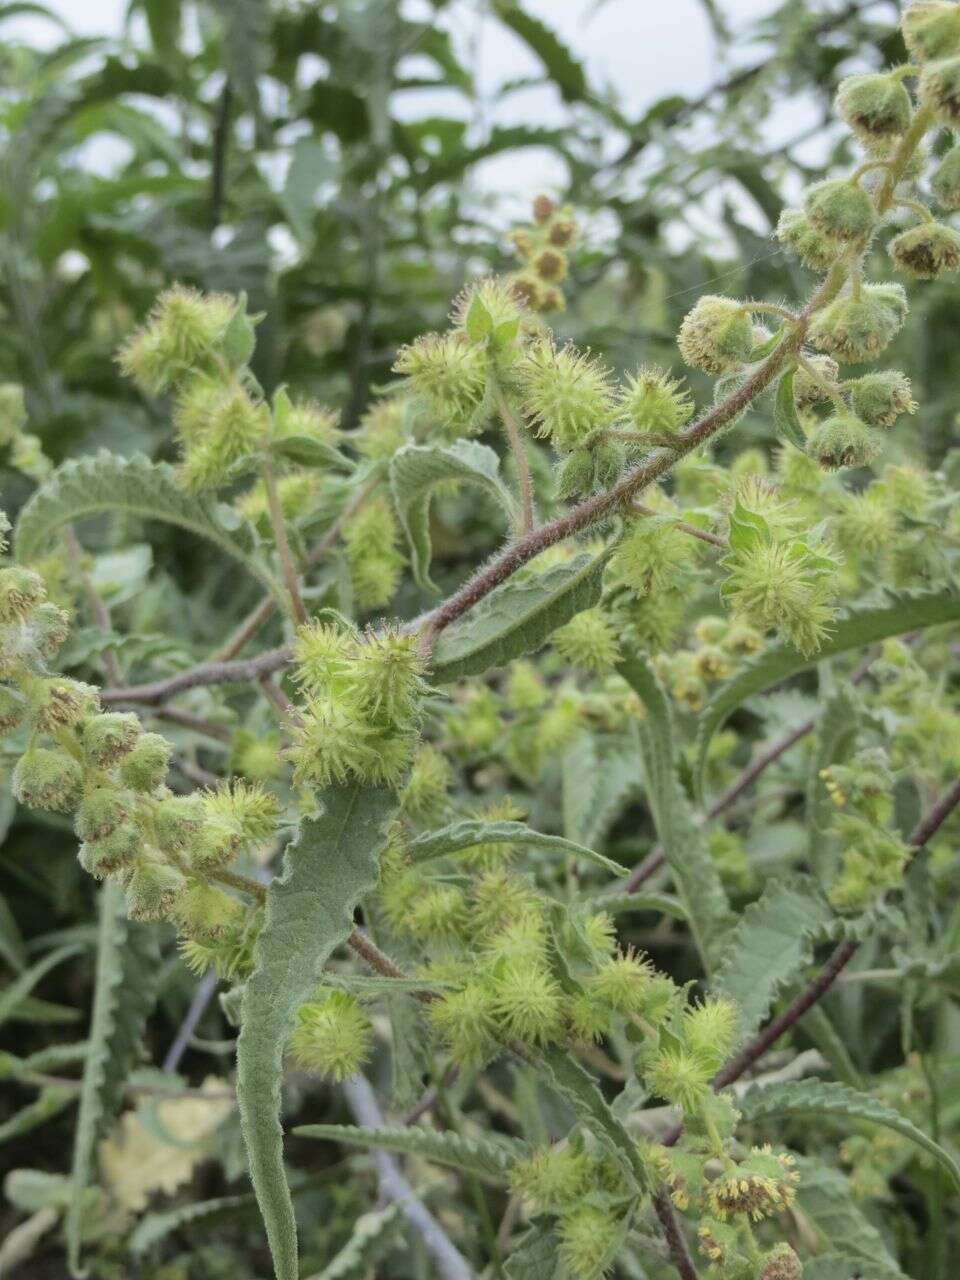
(515, 438)
(288, 567)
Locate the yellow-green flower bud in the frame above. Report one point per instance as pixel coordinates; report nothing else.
(61, 703)
(843, 440)
(464, 1022)
(720, 1243)
(780, 1263)
(621, 982)
(307, 418)
(449, 373)
(931, 29)
(246, 806)
(152, 889)
(878, 399)
(102, 810)
(552, 1178)
(761, 1186)
(797, 233)
(875, 106)
(182, 329)
(110, 853)
(527, 1003)
(588, 642)
(940, 88)
(566, 394)
(12, 709)
(13, 412)
(927, 250)
(590, 1239)
(651, 400)
(808, 391)
(550, 264)
(840, 209)
(854, 329)
(709, 1029)
(388, 675)
(333, 1036)
(716, 335)
(47, 779)
(424, 798)
(145, 767)
(21, 590)
(109, 737)
(945, 182)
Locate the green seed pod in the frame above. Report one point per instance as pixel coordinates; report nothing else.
(856, 329)
(797, 233)
(109, 737)
(945, 182)
(203, 911)
(333, 1036)
(21, 590)
(144, 768)
(566, 394)
(12, 709)
(926, 251)
(575, 474)
(590, 1238)
(880, 398)
(653, 401)
(110, 853)
(807, 391)
(102, 810)
(843, 441)
(47, 779)
(464, 1022)
(940, 90)
(49, 628)
(449, 373)
(152, 889)
(780, 1263)
(716, 335)
(931, 29)
(13, 413)
(527, 1003)
(553, 1177)
(61, 703)
(178, 822)
(840, 209)
(874, 106)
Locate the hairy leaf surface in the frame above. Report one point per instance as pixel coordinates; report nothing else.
(470, 832)
(487, 1157)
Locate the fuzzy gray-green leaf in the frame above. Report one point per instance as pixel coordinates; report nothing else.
(517, 617)
(486, 1157)
(416, 469)
(470, 832)
(309, 912)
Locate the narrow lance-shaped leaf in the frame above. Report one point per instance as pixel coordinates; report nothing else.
(415, 470)
(826, 1098)
(517, 618)
(785, 417)
(309, 912)
(695, 873)
(858, 628)
(487, 1157)
(470, 832)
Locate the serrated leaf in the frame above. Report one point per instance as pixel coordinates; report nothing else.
(857, 629)
(137, 487)
(581, 775)
(517, 618)
(558, 62)
(309, 912)
(305, 451)
(619, 782)
(827, 1098)
(768, 946)
(49, 1103)
(154, 1227)
(416, 469)
(580, 1091)
(372, 1234)
(470, 832)
(486, 1157)
(826, 1199)
(535, 1257)
(785, 418)
(747, 529)
(684, 846)
(127, 971)
(12, 996)
(615, 904)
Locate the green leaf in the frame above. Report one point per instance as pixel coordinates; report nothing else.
(580, 1091)
(309, 912)
(858, 628)
(664, 904)
(11, 942)
(310, 165)
(619, 782)
(479, 322)
(240, 338)
(770, 943)
(826, 1098)
(517, 618)
(127, 973)
(372, 1235)
(826, 1198)
(416, 469)
(838, 1266)
(163, 21)
(558, 62)
(581, 775)
(785, 418)
(694, 871)
(307, 452)
(535, 1257)
(470, 832)
(487, 1157)
(12, 996)
(50, 1102)
(246, 51)
(154, 1227)
(137, 487)
(836, 736)
(747, 529)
